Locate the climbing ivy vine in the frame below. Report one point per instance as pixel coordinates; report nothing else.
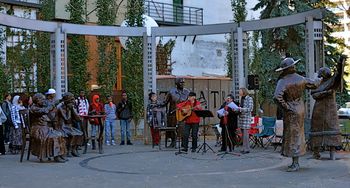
(133, 59)
(77, 50)
(107, 49)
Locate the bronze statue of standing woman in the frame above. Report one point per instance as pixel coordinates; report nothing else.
(325, 130)
(289, 96)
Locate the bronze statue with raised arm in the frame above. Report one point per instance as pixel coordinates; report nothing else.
(325, 130)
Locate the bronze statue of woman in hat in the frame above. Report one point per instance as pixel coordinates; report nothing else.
(289, 96)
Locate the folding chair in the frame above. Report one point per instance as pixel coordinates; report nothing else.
(345, 137)
(277, 141)
(24, 116)
(267, 133)
(254, 129)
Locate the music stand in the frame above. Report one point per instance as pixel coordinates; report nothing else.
(203, 114)
(231, 142)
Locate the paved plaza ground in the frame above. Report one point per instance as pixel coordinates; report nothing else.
(142, 166)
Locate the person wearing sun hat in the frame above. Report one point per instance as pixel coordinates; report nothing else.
(51, 101)
(289, 96)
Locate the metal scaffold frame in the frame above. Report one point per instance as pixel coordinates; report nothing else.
(59, 32)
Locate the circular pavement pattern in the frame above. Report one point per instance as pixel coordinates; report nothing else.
(154, 162)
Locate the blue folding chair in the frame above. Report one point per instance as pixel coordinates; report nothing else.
(268, 132)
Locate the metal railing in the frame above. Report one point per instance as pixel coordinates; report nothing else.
(171, 14)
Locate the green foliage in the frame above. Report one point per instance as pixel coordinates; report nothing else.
(77, 50)
(279, 41)
(239, 15)
(77, 11)
(107, 62)
(21, 57)
(133, 60)
(4, 81)
(239, 10)
(47, 13)
(164, 57)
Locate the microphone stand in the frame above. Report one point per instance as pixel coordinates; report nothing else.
(222, 155)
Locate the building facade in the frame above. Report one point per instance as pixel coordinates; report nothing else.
(18, 43)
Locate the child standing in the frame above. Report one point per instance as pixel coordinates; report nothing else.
(111, 121)
(155, 117)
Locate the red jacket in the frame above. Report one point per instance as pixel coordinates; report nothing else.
(96, 108)
(193, 118)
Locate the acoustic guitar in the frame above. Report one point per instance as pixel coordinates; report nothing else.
(182, 114)
(185, 111)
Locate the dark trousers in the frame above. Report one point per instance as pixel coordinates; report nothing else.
(228, 136)
(2, 145)
(6, 131)
(188, 127)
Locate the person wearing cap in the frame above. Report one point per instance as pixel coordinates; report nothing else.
(50, 101)
(325, 130)
(289, 96)
(192, 121)
(175, 96)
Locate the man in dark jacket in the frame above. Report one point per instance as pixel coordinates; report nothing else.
(228, 123)
(124, 112)
(6, 108)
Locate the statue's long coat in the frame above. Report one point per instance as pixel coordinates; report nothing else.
(325, 130)
(289, 95)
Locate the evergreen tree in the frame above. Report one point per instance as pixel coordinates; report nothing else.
(107, 62)
(239, 15)
(77, 50)
(278, 42)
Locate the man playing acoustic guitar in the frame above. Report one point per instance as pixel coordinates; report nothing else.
(186, 109)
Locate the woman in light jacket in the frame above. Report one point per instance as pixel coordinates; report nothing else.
(244, 119)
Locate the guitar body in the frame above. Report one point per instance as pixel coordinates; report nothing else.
(182, 114)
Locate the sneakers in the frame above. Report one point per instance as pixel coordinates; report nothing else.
(129, 143)
(122, 143)
(293, 168)
(113, 143)
(107, 143)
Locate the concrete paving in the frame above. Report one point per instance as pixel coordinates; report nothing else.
(142, 166)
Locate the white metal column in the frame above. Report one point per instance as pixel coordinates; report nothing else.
(314, 55)
(58, 61)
